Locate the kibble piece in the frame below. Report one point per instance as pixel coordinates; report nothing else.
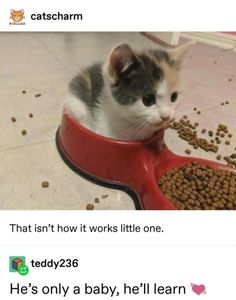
(38, 95)
(203, 130)
(230, 135)
(96, 200)
(230, 79)
(185, 117)
(210, 132)
(199, 112)
(187, 151)
(222, 103)
(24, 92)
(233, 155)
(45, 184)
(226, 102)
(104, 196)
(227, 142)
(218, 157)
(23, 132)
(90, 207)
(195, 109)
(31, 115)
(13, 119)
(226, 158)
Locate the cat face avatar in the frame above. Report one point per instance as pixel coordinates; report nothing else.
(17, 15)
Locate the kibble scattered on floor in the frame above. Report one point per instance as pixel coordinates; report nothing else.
(23, 132)
(188, 131)
(90, 207)
(45, 184)
(38, 95)
(96, 200)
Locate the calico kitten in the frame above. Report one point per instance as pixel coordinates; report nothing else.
(129, 97)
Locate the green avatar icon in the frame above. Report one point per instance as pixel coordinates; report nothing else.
(17, 264)
(23, 270)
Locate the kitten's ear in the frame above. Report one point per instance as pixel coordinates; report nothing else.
(120, 59)
(177, 53)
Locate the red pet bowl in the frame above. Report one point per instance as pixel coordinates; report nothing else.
(133, 167)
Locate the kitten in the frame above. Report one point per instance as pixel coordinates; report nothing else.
(131, 96)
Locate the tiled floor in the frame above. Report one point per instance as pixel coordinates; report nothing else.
(44, 63)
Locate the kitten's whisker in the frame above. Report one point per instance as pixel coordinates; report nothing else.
(147, 123)
(139, 128)
(130, 127)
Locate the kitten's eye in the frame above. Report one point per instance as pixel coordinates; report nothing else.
(174, 97)
(149, 100)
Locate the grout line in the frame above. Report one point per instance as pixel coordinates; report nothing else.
(65, 66)
(26, 145)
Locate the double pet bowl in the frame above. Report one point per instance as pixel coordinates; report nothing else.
(133, 167)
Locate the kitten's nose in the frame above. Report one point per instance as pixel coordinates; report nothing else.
(165, 117)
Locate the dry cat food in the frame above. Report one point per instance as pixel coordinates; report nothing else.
(31, 115)
(23, 132)
(210, 133)
(90, 207)
(187, 151)
(13, 119)
(24, 92)
(104, 196)
(96, 200)
(230, 160)
(196, 186)
(45, 184)
(38, 95)
(187, 132)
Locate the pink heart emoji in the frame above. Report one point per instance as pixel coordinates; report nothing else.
(198, 289)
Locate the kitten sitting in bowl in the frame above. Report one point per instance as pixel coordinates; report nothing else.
(129, 97)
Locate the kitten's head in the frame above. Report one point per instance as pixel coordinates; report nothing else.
(145, 87)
